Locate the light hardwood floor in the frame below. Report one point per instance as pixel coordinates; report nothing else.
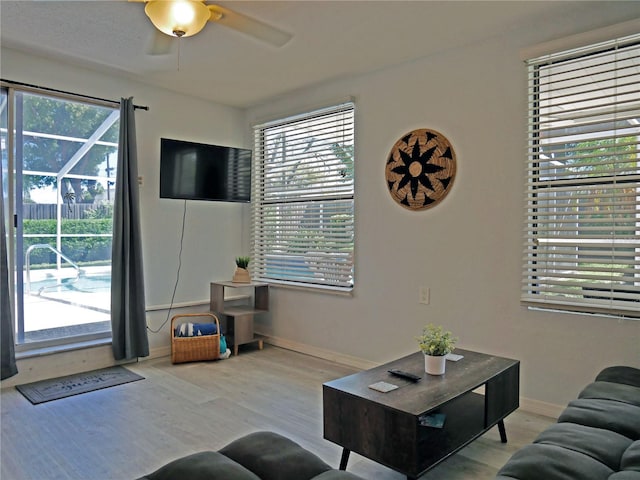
(127, 431)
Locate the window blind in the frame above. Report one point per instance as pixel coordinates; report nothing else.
(582, 231)
(303, 199)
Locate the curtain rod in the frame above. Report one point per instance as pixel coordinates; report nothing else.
(22, 84)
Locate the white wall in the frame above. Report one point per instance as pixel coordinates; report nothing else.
(467, 249)
(215, 233)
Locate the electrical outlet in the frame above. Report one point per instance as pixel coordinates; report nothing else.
(423, 295)
(140, 180)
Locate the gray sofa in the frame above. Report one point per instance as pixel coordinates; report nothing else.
(257, 456)
(596, 437)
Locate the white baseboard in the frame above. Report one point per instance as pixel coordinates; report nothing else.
(329, 355)
(158, 352)
(41, 367)
(541, 408)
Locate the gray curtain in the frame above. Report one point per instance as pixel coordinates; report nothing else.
(128, 322)
(7, 347)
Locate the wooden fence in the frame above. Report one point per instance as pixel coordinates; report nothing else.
(42, 211)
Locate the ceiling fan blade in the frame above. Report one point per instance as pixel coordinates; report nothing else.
(249, 26)
(159, 43)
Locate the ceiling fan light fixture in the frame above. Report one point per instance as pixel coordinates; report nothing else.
(178, 18)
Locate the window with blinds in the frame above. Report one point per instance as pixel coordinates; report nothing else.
(303, 191)
(582, 232)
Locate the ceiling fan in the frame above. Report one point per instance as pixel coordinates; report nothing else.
(184, 18)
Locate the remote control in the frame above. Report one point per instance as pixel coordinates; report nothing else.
(402, 374)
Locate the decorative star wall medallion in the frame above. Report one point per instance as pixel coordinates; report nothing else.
(420, 169)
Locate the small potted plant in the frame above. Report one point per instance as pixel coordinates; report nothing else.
(435, 343)
(241, 274)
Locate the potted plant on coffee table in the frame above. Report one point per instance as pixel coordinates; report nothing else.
(435, 343)
(241, 274)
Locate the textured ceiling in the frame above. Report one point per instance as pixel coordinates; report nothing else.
(331, 39)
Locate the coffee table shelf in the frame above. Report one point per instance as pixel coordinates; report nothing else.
(385, 427)
(464, 419)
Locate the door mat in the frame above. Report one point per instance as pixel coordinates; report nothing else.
(62, 387)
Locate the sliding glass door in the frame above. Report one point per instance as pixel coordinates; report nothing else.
(62, 170)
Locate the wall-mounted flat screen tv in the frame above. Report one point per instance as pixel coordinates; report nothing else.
(196, 171)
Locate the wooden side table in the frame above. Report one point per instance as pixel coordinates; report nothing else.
(238, 319)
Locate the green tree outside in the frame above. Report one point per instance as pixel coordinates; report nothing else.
(53, 116)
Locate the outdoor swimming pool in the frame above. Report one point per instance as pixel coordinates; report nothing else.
(85, 283)
(59, 304)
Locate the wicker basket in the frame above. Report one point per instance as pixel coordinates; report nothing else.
(194, 349)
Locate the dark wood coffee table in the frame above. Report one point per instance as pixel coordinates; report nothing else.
(475, 394)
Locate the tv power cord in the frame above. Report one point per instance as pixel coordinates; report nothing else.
(175, 287)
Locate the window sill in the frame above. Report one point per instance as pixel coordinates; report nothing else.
(67, 347)
(309, 288)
